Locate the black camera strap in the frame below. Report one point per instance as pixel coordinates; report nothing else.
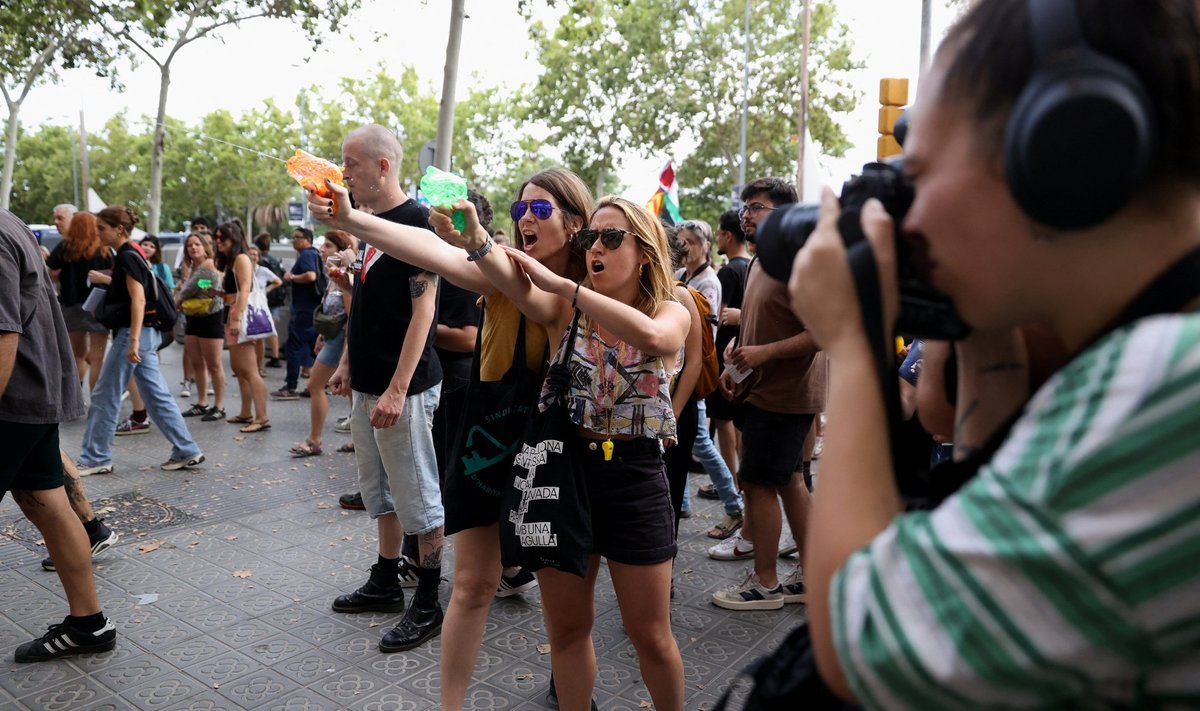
(1171, 292)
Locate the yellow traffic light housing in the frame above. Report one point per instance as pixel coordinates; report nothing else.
(893, 95)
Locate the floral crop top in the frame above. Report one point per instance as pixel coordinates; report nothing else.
(626, 394)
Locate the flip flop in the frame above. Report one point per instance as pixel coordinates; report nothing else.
(346, 448)
(307, 449)
(255, 427)
(240, 420)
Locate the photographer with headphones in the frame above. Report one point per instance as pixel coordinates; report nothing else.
(1055, 153)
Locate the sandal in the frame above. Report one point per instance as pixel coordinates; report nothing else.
(240, 420)
(307, 449)
(346, 448)
(708, 491)
(256, 427)
(727, 527)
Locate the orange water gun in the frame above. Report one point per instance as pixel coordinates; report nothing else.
(311, 172)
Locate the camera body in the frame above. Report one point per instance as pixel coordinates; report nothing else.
(924, 312)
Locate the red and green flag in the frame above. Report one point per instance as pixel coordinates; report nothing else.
(666, 198)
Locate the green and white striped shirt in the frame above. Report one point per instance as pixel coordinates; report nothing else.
(1067, 573)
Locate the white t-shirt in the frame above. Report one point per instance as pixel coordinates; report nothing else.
(263, 277)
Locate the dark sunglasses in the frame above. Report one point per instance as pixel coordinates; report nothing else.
(610, 237)
(541, 209)
(220, 238)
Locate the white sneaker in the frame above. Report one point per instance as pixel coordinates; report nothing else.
(98, 469)
(794, 591)
(787, 544)
(343, 425)
(408, 572)
(749, 595)
(733, 548)
(185, 388)
(210, 390)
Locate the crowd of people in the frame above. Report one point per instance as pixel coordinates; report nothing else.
(1050, 567)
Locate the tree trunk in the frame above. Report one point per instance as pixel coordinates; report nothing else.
(802, 118)
(601, 179)
(10, 154)
(445, 129)
(156, 156)
(249, 224)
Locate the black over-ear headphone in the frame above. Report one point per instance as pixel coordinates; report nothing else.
(1081, 135)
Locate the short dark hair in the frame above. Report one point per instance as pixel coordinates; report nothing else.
(200, 220)
(307, 233)
(262, 240)
(483, 209)
(993, 59)
(778, 190)
(731, 223)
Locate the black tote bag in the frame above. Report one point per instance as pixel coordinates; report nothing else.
(545, 517)
(489, 432)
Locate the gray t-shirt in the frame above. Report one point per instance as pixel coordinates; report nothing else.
(44, 387)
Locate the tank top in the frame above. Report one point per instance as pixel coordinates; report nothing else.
(616, 389)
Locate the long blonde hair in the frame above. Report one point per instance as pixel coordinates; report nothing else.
(656, 280)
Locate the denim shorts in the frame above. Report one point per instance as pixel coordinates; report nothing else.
(331, 352)
(397, 466)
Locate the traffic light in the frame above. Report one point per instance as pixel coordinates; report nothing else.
(893, 95)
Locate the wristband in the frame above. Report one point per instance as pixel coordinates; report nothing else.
(479, 253)
(575, 298)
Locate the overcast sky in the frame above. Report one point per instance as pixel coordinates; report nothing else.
(264, 59)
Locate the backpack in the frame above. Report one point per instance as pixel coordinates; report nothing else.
(710, 370)
(160, 312)
(275, 297)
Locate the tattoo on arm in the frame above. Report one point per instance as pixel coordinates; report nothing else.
(418, 285)
(966, 415)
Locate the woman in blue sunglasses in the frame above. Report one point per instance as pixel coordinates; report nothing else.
(552, 205)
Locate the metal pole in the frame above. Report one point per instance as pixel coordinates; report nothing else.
(445, 131)
(745, 97)
(75, 173)
(926, 22)
(802, 119)
(85, 170)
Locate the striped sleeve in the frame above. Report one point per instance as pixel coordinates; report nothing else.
(1066, 572)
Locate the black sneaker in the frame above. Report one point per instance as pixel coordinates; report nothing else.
(552, 696)
(64, 640)
(522, 581)
(103, 539)
(418, 625)
(274, 363)
(213, 415)
(373, 596)
(172, 465)
(353, 502)
(408, 572)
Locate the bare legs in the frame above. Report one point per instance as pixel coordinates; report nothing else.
(253, 390)
(88, 349)
(476, 575)
(318, 407)
(67, 542)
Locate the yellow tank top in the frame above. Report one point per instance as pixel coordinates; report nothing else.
(500, 323)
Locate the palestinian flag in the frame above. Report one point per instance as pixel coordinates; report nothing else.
(666, 198)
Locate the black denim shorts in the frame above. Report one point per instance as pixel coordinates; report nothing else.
(632, 521)
(31, 460)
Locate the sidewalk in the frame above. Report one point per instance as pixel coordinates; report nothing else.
(221, 586)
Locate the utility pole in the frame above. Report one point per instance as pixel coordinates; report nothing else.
(745, 101)
(445, 130)
(802, 118)
(75, 173)
(85, 170)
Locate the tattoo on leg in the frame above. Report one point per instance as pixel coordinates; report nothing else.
(26, 498)
(430, 547)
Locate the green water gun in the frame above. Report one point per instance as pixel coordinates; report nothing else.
(443, 189)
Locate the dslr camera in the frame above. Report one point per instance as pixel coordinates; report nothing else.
(924, 312)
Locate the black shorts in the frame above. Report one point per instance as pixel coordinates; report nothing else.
(632, 521)
(210, 326)
(31, 460)
(772, 446)
(719, 408)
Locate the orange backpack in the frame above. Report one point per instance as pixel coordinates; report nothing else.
(710, 370)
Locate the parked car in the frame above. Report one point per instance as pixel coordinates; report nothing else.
(47, 236)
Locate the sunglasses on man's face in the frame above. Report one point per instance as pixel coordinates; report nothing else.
(541, 209)
(610, 237)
